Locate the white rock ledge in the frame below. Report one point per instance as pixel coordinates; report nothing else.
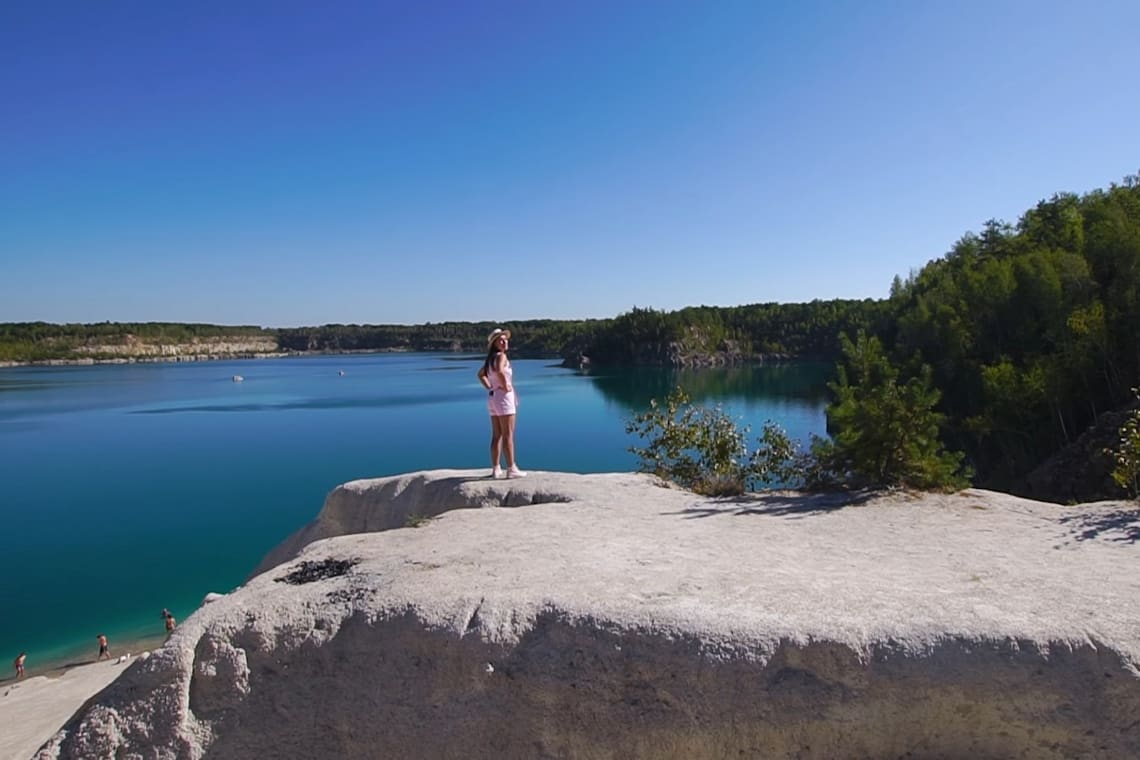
(611, 617)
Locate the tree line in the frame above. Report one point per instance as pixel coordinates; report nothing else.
(642, 336)
(736, 333)
(44, 341)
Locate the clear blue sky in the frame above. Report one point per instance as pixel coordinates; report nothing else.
(297, 163)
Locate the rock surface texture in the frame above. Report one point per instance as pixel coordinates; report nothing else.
(606, 616)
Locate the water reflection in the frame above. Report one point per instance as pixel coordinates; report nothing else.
(633, 387)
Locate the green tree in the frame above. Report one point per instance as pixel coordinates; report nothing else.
(885, 432)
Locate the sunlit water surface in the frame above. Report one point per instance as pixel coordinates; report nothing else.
(125, 489)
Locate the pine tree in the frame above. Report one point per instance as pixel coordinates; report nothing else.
(885, 432)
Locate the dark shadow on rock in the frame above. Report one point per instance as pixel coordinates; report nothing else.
(779, 504)
(1123, 525)
(311, 572)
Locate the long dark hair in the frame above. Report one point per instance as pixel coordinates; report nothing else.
(488, 363)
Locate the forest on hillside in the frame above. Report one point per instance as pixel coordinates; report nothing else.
(1032, 329)
(1029, 330)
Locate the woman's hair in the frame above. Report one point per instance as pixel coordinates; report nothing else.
(492, 352)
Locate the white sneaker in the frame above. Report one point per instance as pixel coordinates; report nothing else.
(515, 472)
(497, 474)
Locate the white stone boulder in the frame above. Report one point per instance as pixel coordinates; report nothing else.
(607, 616)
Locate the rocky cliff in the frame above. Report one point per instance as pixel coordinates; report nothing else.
(131, 347)
(606, 616)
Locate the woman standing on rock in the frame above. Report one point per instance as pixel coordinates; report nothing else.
(496, 377)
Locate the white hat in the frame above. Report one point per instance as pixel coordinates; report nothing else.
(497, 333)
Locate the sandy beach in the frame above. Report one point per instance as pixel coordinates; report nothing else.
(34, 708)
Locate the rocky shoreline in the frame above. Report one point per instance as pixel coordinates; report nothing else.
(196, 357)
(171, 359)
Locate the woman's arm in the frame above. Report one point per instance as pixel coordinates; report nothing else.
(500, 362)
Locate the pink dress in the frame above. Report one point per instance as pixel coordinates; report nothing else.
(500, 402)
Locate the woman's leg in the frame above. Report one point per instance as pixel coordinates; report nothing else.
(509, 440)
(496, 442)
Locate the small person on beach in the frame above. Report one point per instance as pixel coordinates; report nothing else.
(20, 664)
(497, 377)
(169, 618)
(104, 650)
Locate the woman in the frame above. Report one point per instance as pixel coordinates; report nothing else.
(495, 375)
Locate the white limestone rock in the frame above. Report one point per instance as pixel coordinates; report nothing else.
(607, 616)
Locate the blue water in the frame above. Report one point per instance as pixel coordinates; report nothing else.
(125, 489)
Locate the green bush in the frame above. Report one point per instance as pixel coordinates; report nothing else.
(1126, 473)
(885, 433)
(416, 521)
(704, 450)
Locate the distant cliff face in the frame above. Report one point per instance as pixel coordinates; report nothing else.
(135, 348)
(604, 616)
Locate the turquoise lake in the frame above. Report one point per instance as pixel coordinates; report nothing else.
(130, 488)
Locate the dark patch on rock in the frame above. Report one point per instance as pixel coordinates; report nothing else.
(311, 572)
(348, 595)
(514, 498)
